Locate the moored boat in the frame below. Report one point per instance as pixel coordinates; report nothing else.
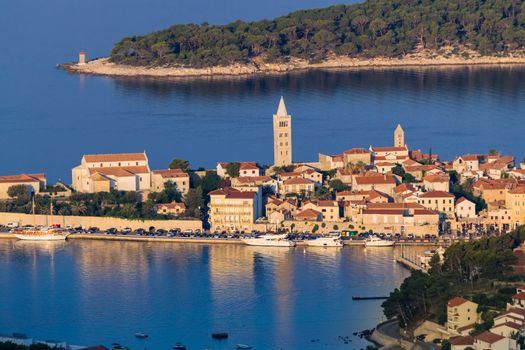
(270, 240)
(330, 241)
(179, 346)
(374, 241)
(244, 346)
(40, 233)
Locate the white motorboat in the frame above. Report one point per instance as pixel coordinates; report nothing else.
(270, 241)
(374, 241)
(40, 234)
(329, 241)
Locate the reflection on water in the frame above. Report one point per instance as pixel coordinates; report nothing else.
(91, 292)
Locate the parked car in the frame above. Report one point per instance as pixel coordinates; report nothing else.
(126, 230)
(13, 224)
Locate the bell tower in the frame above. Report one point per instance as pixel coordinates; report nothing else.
(399, 136)
(282, 136)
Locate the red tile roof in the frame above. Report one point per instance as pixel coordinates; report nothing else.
(375, 180)
(171, 173)
(125, 171)
(232, 193)
(117, 157)
(436, 178)
(308, 213)
(356, 151)
(519, 296)
(461, 340)
(436, 194)
(488, 337)
(297, 181)
(22, 178)
(388, 149)
(456, 301)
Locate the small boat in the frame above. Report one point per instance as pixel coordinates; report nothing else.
(117, 346)
(220, 335)
(330, 241)
(141, 335)
(243, 346)
(378, 242)
(179, 346)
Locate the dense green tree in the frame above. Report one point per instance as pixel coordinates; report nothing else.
(232, 169)
(18, 191)
(338, 185)
(369, 29)
(181, 164)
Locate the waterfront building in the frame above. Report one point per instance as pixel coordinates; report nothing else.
(34, 183)
(172, 209)
(399, 136)
(399, 218)
(178, 177)
(462, 315)
(234, 210)
(282, 136)
(438, 200)
(329, 209)
(105, 172)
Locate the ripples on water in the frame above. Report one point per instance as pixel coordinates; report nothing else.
(91, 292)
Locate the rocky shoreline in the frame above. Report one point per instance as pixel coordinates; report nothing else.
(103, 66)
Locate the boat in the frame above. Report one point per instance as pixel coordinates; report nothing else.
(374, 241)
(141, 335)
(117, 346)
(330, 241)
(243, 346)
(43, 233)
(220, 335)
(179, 346)
(270, 241)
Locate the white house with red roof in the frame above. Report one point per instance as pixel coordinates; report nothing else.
(437, 182)
(462, 315)
(233, 210)
(465, 209)
(104, 172)
(438, 200)
(249, 169)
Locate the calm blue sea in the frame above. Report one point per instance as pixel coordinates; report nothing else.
(88, 292)
(49, 118)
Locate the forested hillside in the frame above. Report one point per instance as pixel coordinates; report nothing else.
(374, 28)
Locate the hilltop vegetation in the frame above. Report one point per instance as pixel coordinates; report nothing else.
(470, 269)
(374, 28)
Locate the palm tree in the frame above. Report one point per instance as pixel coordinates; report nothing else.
(78, 208)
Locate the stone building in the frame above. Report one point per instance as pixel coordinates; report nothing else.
(282, 136)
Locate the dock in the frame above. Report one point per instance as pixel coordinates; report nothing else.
(409, 264)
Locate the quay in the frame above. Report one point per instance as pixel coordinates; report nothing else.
(199, 240)
(409, 264)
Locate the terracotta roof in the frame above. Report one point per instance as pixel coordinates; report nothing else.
(437, 178)
(436, 194)
(456, 301)
(517, 310)
(471, 157)
(513, 325)
(403, 188)
(378, 179)
(461, 340)
(232, 193)
(117, 157)
(307, 213)
(488, 337)
(461, 200)
(518, 190)
(356, 151)
(21, 178)
(394, 206)
(519, 296)
(120, 171)
(388, 149)
(171, 173)
(248, 166)
(297, 181)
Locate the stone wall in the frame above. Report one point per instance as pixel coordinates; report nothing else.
(100, 222)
